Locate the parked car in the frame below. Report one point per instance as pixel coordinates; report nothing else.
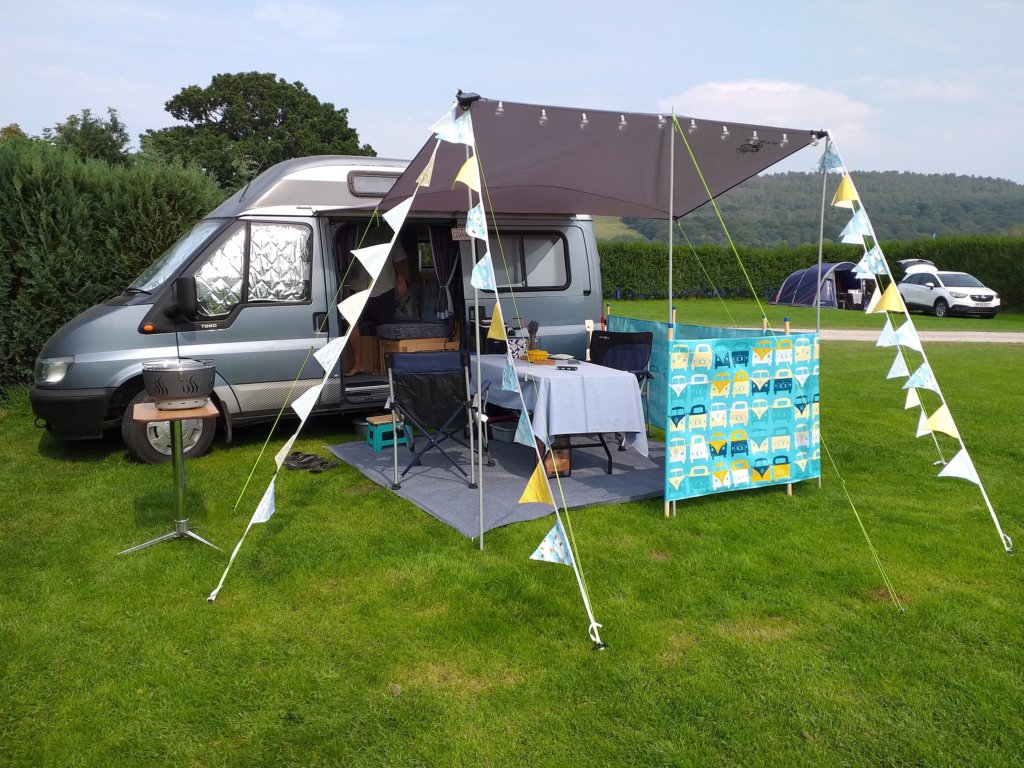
(927, 289)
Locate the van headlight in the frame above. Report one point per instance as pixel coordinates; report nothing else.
(52, 370)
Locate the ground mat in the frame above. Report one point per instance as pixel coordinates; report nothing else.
(439, 489)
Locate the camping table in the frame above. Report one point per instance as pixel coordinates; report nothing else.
(592, 399)
(148, 413)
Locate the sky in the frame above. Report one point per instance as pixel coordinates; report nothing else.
(905, 85)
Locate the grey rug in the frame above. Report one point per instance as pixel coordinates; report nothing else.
(439, 489)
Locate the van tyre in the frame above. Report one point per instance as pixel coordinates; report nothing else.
(151, 443)
(941, 308)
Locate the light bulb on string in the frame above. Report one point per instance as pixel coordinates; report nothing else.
(693, 126)
(543, 117)
(725, 133)
(499, 110)
(622, 122)
(661, 121)
(584, 122)
(785, 140)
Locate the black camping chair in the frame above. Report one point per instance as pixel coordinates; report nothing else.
(430, 390)
(626, 351)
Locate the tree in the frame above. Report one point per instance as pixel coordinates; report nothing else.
(91, 137)
(10, 132)
(243, 123)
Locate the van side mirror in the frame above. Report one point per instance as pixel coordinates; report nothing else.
(186, 304)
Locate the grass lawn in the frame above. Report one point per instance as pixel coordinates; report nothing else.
(753, 629)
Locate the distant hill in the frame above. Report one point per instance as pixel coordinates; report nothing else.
(785, 209)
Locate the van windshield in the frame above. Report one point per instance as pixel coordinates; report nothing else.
(173, 258)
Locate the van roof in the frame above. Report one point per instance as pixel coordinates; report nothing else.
(319, 182)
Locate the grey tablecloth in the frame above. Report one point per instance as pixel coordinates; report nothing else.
(585, 401)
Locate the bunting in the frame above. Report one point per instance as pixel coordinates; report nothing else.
(373, 258)
(899, 368)
(846, 194)
(352, 307)
(303, 404)
(922, 378)
(913, 399)
(888, 337)
(555, 547)
(330, 353)
(538, 490)
(285, 450)
(476, 222)
(482, 277)
(524, 430)
(858, 228)
(907, 337)
(872, 263)
(887, 301)
(396, 217)
(423, 180)
(509, 378)
(469, 174)
(830, 162)
(961, 466)
(266, 508)
(455, 130)
(922, 425)
(942, 421)
(497, 329)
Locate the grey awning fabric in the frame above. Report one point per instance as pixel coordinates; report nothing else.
(618, 165)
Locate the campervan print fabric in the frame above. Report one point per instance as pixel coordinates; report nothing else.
(741, 413)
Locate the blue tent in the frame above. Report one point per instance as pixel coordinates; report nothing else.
(800, 289)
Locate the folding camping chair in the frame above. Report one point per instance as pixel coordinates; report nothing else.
(623, 351)
(626, 352)
(431, 391)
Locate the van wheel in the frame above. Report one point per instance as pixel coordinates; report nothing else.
(151, 443)
(941, 308)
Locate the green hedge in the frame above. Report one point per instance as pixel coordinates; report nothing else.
(637, 270)
(74, 232)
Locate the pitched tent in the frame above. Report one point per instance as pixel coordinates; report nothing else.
(540, 159)
(800, 289)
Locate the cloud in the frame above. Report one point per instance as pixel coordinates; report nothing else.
(304, 19)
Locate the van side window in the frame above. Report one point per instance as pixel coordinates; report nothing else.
(533, 261)
(257, 262)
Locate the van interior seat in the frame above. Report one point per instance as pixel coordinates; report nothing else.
(408, 323)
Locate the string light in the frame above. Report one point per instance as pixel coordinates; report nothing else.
(785, 140)
(693, 126)
(543, 117)
(622, 122)
(725, 133)
(584, 122)
(499, 110)
(661, 121)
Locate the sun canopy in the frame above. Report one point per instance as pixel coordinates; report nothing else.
(538, 159)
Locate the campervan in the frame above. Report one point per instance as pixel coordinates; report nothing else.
(254, 288)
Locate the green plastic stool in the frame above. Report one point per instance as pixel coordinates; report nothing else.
(380, 435)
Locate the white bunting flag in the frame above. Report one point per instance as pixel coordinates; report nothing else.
(397, 215)
(875, 300)
(285, 450)
(555, 547)
(913, 399)
(303, 404)
(352, 307)
(961, 466)
(330, 353)
(888, 337)
(373, 258)
(423, 180)
(482, 277)
(922, 425)
(899, 368)
(266, 508)
(906, 336)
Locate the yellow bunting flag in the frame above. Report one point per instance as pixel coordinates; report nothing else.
(537, 489)
(942, 421)
(469, 175)
(846, 195)
(497, 329)
(891, 300)
(913, 400)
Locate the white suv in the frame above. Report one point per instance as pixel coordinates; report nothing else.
(945, 293)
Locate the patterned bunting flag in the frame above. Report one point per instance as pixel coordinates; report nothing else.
(456, 130)
(476, 222)
(538, 490)
(907, 337)
(961, 466)
(509, 378)
(524, 430)
(555, 547)
(899, 368)
(922, 378)
(266, 508)
(888, 337)
(482, 277)
(830, 162)
(942, 421)
(469, 174)
(876, 261)
(423, 180)
(858, 228)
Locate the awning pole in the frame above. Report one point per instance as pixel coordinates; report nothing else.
(821, 240)
(671, 206)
